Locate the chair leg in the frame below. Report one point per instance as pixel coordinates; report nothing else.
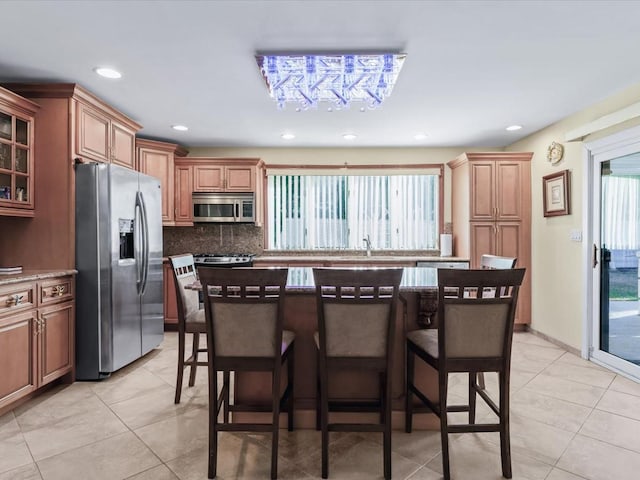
(472, 396)
(290, 380)
(324, 420)
(180, 367)
(444, 426)
(194, 356)
(505, 442)
(213, 423)
(387, 429)
(318, 395)
(275, 427)
(408, 407)
(226, 384)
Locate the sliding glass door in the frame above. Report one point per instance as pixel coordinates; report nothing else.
(615, 312)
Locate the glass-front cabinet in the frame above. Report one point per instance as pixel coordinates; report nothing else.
(16, 154)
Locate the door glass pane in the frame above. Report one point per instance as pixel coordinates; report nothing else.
(5, 126)
(21, 189)
(21, 160)
(5, 186)
(620, 253)
(21, 131)
(5, 156)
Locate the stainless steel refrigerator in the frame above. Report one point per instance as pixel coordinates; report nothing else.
(119, 286)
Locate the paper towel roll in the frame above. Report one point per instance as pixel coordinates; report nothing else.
(446, 244)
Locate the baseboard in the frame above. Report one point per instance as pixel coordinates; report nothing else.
(557, 343)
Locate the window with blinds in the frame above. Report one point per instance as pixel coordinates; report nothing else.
(397, 212)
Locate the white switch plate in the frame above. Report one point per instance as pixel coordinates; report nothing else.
(576, 235)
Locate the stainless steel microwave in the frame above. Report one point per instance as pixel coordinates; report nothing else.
(224, 207)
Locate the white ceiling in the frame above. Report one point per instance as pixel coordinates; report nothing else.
(472, 68)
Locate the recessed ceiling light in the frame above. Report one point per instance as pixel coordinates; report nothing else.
(420, 136)
(288, 136)
(107, 72)
(513, 128)
(349, 136)
(180, 128)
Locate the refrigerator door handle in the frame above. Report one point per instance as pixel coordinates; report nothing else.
(138, 249)
(145, 243)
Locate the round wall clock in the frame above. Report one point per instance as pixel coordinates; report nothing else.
(555, 152)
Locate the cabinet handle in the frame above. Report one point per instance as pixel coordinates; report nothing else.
(58, 290)
(14, 300)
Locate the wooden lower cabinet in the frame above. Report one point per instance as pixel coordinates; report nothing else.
(18, 358)
(55, 336)
(36, 336)
(170, 300)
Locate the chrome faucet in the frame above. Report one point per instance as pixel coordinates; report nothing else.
(367, 242)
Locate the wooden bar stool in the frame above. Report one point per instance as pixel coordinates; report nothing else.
(244, 310)
(474, 335)
(356, 321)
(190, 319)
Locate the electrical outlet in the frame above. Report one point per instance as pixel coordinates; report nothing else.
(575, 235)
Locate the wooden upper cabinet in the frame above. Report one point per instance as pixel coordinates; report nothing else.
(208, 178)
(482, 191)
(183, 200)
(123, 141)
(494, 189)
(509, 178)
(92, 134)
(240, 179)
(224, 174)
(17, 181)
(101, 137)
(157, 159)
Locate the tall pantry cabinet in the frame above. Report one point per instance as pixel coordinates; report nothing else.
(491, 212)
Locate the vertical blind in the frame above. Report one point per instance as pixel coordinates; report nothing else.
(621, 212)
(328, 211)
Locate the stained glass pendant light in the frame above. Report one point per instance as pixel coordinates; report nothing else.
(307, 80)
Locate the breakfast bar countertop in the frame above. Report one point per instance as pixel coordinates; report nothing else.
(414, 279)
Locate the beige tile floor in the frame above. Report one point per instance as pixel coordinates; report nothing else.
(570, 420)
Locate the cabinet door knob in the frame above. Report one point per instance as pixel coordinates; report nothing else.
(14, 300)
(58, 290)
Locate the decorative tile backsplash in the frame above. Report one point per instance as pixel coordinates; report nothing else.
(213, 238)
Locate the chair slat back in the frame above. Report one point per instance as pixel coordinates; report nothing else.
(477, 326)
(356, 311)
(184, 273)
(244, 310)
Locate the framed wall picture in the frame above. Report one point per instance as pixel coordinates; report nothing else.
(556, 194)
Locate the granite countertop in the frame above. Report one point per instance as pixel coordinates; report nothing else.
(28, 275)
(414, 280)
(360, 258)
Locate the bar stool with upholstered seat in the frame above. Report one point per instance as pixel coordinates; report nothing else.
(190, 318)
(356, 322)
(474, 335)
(244, 310)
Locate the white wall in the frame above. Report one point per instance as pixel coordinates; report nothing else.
(558, 303)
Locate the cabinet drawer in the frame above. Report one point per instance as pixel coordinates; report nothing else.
(17, 297)
(55, 290)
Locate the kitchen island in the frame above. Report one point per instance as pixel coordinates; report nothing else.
(301, 317)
